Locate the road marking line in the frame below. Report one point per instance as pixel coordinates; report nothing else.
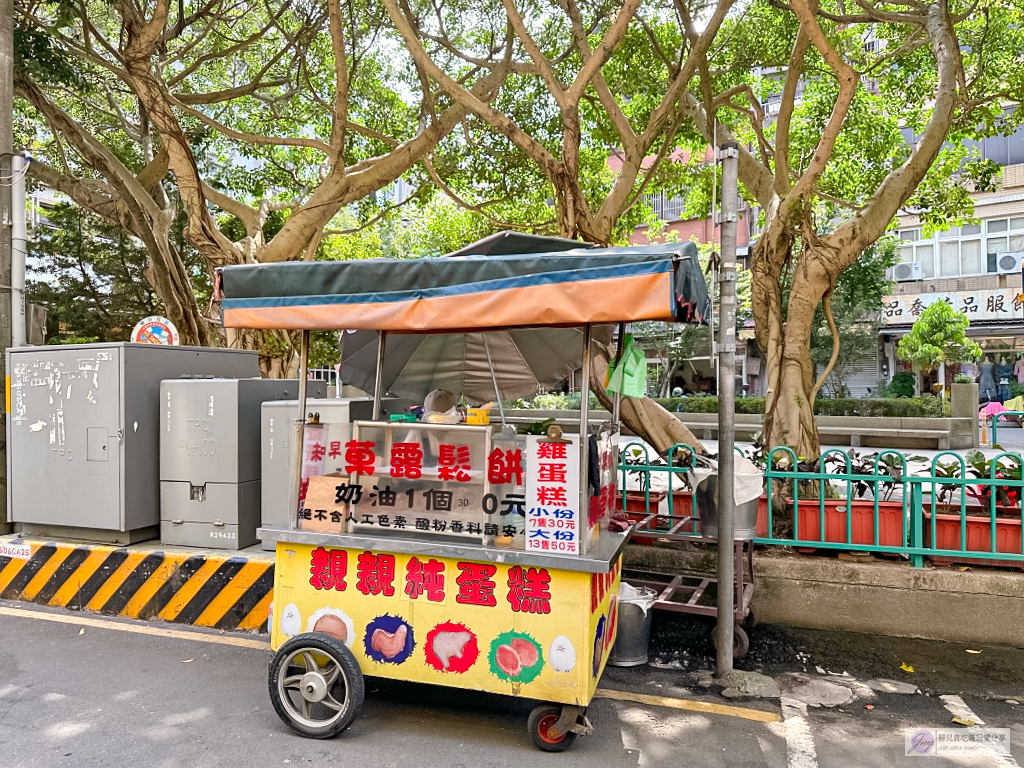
(691, 705)
(799, 741)
(176, 634)
(958, 708)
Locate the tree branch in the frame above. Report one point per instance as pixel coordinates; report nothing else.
(871, 221)
(847, 79)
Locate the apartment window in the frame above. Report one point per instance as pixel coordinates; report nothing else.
(962, 257)
(925, 255)
(915, 249)
(1009, 237)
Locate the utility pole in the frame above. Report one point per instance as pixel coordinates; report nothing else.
(729, 157)
(6, 221)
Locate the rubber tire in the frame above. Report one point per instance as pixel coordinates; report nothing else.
(740, 641)
(353, 676)
(537, 719)
(750, 620)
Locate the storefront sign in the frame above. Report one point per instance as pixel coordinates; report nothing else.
(998, 304)
(427, 479)
(509, 628)
(553, 495)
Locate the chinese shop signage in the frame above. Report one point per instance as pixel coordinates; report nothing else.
(997, 304)
(521, 492)
(553, 495)
(524, 629)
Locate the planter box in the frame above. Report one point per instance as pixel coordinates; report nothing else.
(979, 539)
(890, 521)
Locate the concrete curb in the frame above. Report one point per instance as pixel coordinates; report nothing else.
(886, 598)
(229, 590)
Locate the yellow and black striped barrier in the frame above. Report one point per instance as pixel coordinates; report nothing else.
(224, 591)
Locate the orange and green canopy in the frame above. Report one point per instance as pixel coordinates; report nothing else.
(472, 292)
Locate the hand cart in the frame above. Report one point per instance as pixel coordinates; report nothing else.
(686, 593)
(444, 553)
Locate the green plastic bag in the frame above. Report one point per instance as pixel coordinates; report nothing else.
(629, 376)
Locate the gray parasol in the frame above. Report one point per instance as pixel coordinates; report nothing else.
(525, 361)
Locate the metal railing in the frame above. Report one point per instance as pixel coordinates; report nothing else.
(959, 508)
(995, 421)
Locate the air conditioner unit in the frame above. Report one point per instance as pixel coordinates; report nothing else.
(908, 270)
(1009, 261)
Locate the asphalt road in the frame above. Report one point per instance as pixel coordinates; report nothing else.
(109, 697)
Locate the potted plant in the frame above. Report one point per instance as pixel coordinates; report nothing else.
(977, 516)
(874, 479)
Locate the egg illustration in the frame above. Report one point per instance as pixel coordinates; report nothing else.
(333, 622)
(562, 655)
(291, 621)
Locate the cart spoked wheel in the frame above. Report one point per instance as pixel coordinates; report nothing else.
(316, 685)
(740, 641)
(750, 620)
(541, 720)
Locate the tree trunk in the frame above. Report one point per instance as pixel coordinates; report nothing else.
(789, 406)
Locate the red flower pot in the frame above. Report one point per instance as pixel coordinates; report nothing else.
(979, 538)
(890, 521)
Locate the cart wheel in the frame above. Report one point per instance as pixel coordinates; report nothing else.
(740, 641)
(316, 685)
(542, 718)
(750, 620)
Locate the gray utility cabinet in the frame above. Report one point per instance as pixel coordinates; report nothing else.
(277, 433)
(83, 434)
(210, 458)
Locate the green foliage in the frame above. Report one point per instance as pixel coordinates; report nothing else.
(90, 276)
(856, 308)
(72, 340)
(840, 406)
(902, 385)
(35, 53)
(939, 335)
(435, 228)
(963, 378)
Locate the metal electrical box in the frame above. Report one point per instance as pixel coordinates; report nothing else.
(277, 433)
(83, 434)
(210, 458)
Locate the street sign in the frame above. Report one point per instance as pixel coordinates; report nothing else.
(155, 330)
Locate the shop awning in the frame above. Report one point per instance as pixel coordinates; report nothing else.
(472, 292)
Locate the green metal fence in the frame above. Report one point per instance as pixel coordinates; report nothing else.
(996, 419)
(953, 508)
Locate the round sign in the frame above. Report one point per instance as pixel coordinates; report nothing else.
(155, 330)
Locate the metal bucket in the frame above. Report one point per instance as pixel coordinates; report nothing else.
(630, 648)
(744, 518)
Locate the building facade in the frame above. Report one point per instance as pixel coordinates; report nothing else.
(975, 268)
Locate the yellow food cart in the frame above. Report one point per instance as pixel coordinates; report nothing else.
(460, 555)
